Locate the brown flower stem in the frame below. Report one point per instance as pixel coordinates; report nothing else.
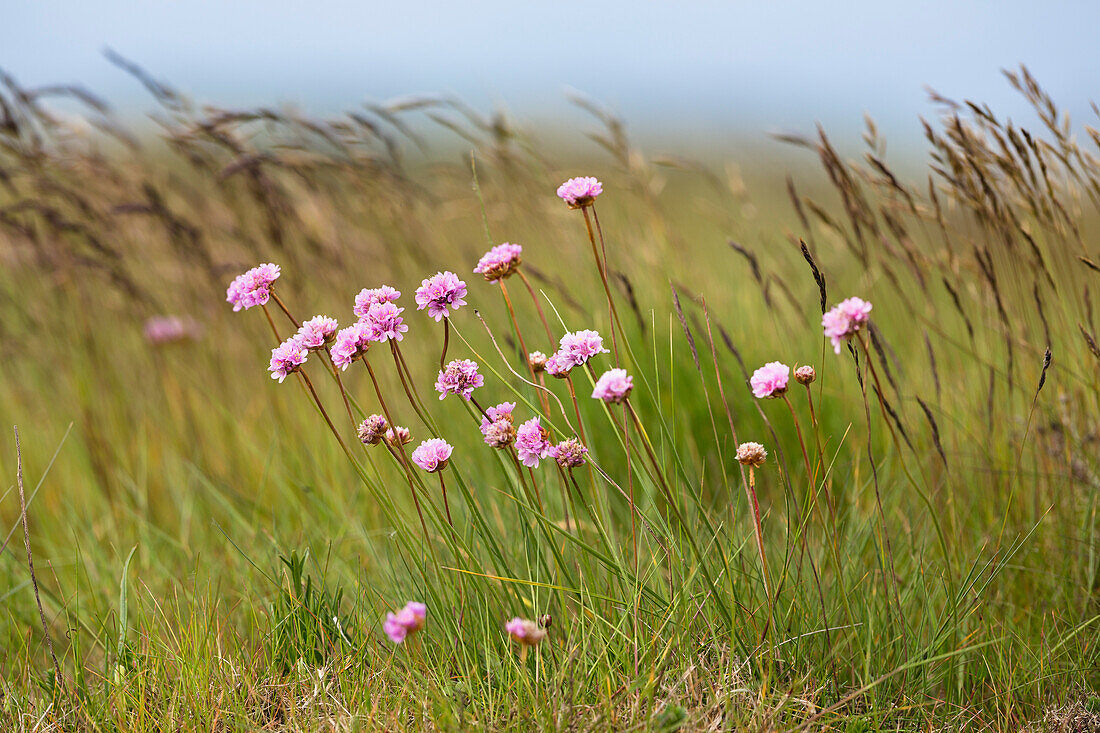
(576, 409)
(543, 401)
(759, 533)
(446, 506)
(278, 338)
(538, 307)
(321, 407)
(802, 444)
(601, 266)
(446, 341)
(340, 384)
(405, 386)
(810, 399)
(279, 302)
(523, 480)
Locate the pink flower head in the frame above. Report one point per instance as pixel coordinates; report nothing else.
(580, 192)
(253, 287)
(537, 360)
(770, 380)
(842, 322)
(408, 620)
(581, 346)
(351, 343)
(385, 322)
(398, 435)
(568, 453)
(369, 296)
(317, 332)
(440, 294)
(459, 377)
(287, 358)
(432, 454)
(372, 430)
(498, 425)
(168, 329)
(531, 443)
(525, 632)
(558, 365)
(499, 262)
(613, 386)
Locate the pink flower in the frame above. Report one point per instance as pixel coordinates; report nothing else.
(580, 192)
(613, 386)
(558, 365)
(537, 360)
(385, 322)
(372, 430)
(459, 377)
(525, 632)
(844, 320)
(408, 620)
(581, 346)
(568, 453)
(351, 343)
(499, 262)
(432, 454)
(498, 425)
(398, 435)
(441, 293)
(531, 443)
(770, 380)
(318, 331)
(167, 329)
(253, 287)
(287, 358)
(369, 296)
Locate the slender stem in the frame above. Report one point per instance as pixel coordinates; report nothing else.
(602, 267)
(446, 506)
(405, 386)
(538, 307)
(576, 409)
(271, 323)
(543, 401)
(279, 302)
(321, 407)
(802, 444)
(446, 341)
(759, 533)
(340, 384)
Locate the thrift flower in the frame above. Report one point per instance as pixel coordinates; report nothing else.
(499, 262)
(613, 386)
(385, 322)
(568, 453)
(351, 343)
(459, 377)
(751, 454)
(498, 425)
(537, 360)
(253, 287)
(770, 380)
(525, 632)
(369, 296)
(581, 346)
(558, 365)
(441, 293)
(805, 374)
(844, 320)
(167, 329)
(531, 443)
(580, 192)
(432, 454)
(318, 332)
(408, 620)
(398, 435)
(287, 358)
(372, 430)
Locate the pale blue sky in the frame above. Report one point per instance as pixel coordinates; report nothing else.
(672, 66)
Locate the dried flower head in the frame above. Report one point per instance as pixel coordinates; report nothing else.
(432, 454)
(613, 386)
(351, 343)
(568, 453)
(770, 380)
(580, 346)
(525, 632)
(440, 294)
(580, 192)
(459, 377)
(532, 442)
(500, 262)
(369, 296)
(287, 358)
(318, 332)
(844, 320)
(408, 620)
(498, 425)
(751, 454)
(385, 322)
(805, 374)
(252, 287)
(372, 430)
(160, 330)
(537, 360)
(398, 435)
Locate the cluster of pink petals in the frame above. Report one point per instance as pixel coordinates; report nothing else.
(770, 380)
(500, 262)
(613, 386)
(524, 631)
(287, 358)
(578, 192)
(351, 343)
(168, 329)
(253, 287)
(398, 435)
(432, 454)
(372, 430)
(408, 620)
(844, 320)
(498, 425)
(385, 322)
(440, 294)
(459, 377)
(317, 332)
(369, 296)
(531, 443)
(580, 346)
(558, 365)
(568, 453)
